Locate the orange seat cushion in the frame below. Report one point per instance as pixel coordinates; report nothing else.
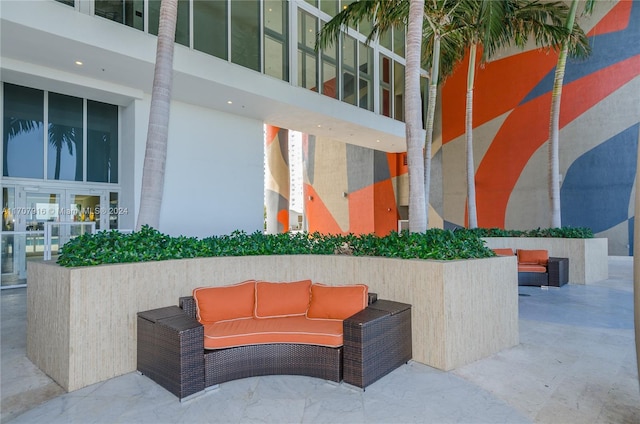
(215, 304)
(282, 299)
(533, 257)
(503, 251)
(337, 302)
(531, 268)
(296, 329)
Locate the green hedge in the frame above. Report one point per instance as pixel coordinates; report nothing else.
(149, 244)
(564, 232)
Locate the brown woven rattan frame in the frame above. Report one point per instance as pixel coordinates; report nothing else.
(557, 274)
(170, 350)
(268, 359)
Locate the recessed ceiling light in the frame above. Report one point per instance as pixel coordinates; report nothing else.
(78, 62)
(377, 141)
(229, 102)
(319, 126)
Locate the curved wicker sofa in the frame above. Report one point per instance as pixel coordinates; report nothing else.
(376, 340)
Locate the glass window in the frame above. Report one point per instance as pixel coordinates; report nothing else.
(71, 3)
(330, 70)
(128, 12)
(307, 62)
(210, 33)
(276, 46)
(114, 211)
(245, 33)
(365, 69)
(64, 151)
(398, 41)
(182, 23)
(385, 39)
(385, 86)
(398, 91)
(102, 142)
(23, 138)
(330, 7)
(349, 70)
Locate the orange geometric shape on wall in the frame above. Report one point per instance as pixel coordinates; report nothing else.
(499, 87)
(385, 207)
(270, 133)
(616, 20)
(283, 218)
(361, 214)
(516, 142)
(319, 218)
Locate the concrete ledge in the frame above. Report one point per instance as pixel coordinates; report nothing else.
(588, 258)
(81, 324)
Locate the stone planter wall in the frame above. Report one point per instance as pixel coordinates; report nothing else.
(81, 325)
(588, 258)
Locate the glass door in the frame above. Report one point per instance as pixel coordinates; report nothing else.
(28, 210)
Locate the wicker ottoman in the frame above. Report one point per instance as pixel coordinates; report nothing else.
(377, 340)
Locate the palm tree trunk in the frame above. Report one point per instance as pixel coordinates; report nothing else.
(431, 112)
(554, 126)
(157, 134)
(471, 182)
(413, 121)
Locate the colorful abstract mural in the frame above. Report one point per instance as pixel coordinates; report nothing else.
(600, 115)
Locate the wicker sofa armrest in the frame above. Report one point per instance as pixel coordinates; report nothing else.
(170, 350)
(377, 340)
(558, 269)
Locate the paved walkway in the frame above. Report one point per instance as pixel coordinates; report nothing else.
(575, 364)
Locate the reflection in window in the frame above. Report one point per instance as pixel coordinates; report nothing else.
(398, 91)
(245, 33)
(365, 68)
(128, 12)
(398, 41)
(210, 27)
(385, 86)
(102, 142)
(349, 70)
(182, 23)
(330, 7)
(307, 72)
(330, 70)
(276, 46)
(64, 152)
(23, 135)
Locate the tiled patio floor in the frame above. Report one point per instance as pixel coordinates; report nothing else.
(575, 364)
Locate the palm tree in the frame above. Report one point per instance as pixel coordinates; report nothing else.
(491, 24)
(413, 119)
(385, 14)
(155, 156)
(441, 28)
(577, 45)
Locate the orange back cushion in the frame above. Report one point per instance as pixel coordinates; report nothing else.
(224, 303)
(533, 257)
(337, 302)
(282, 299)
(507, 251)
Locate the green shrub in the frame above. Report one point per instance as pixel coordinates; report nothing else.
(149, 244)
(564, 232)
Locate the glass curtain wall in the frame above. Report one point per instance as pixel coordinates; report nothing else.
(182, 24)
(127, 12)
(245, 33)
(329, 57)
(307, 56)
(25, 143)
(210, 27)
(276, 40)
